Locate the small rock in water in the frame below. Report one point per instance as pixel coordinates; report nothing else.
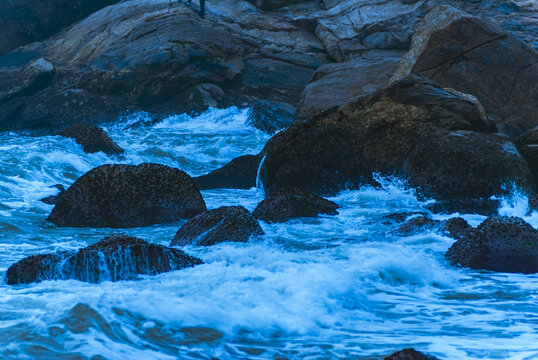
(128, 196)
(418, 224)
(409, 354)
(282, 205)
(114, 258)
(505, 244)
(227, 223)
(269, 116)
(92, 139)
(240, 173)
(456, 227)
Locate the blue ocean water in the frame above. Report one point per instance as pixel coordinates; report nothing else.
(344, 286)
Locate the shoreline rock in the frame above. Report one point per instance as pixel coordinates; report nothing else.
(92, 139)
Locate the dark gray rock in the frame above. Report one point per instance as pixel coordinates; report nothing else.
(282, 205)
(240, 173)
(227, 223)
(527, 144)
(114, 258)
(127, 196)
(271, 117)
(26, 21)
(456, 228)
(465, 164)
(92, 139)
(505, 244)
(343, 146)
(409, 354)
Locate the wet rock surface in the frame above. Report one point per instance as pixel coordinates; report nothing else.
(128, 196)
(282, 205)
(227, 223)
(464, 164)
(504, 244)
(240, 173)
(114, 258)
(409, 354)
(92, 139)
(461, 52)
(343, 146)
(527, 145)
(271, 117)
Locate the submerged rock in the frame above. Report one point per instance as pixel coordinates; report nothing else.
(464, 164)
(506, 244)
(409, 354)
(282, 205)
(462, 52)
(92, 139)
(240, 173)
(343, 146)
(128, 196)
(53, 199)
(227, 223)
(114, 258)
(418, 224)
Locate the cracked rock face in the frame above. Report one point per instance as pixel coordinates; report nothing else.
(127, 196)
(478, 57)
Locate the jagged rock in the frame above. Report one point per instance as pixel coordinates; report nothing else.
(343, 146)
(336, 84)
(462, 52)
(35, 20)
(271, 117)
(114, 258)
(282, 205)
(506, 244)
(227, 223)
(92, 139)
(465, 164)
(527, 144)
(147, 55)
(126, 196)
(409, 354)
(240, 173)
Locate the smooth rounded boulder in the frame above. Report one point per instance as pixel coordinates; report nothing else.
(227, 223)
(92, 139)
(504, 244)
(240, 173)
(466, 164)
(343, 146)
(282, 205)
(127, 196)
(115, 258)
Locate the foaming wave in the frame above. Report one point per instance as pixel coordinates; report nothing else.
(516, 203)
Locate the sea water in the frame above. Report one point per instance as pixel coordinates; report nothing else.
(344, 286)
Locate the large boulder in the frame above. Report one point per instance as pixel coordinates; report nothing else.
(115, 258)
(337, 84)
(282, 205)
(147, 55)
(127, 196)
(506, 244)
(26, 21)
(227, 223)
(475, 56)
(240, 173)
(466, 164)
(343, 146)
(92, 139)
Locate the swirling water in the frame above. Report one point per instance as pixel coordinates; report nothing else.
(342, 286)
